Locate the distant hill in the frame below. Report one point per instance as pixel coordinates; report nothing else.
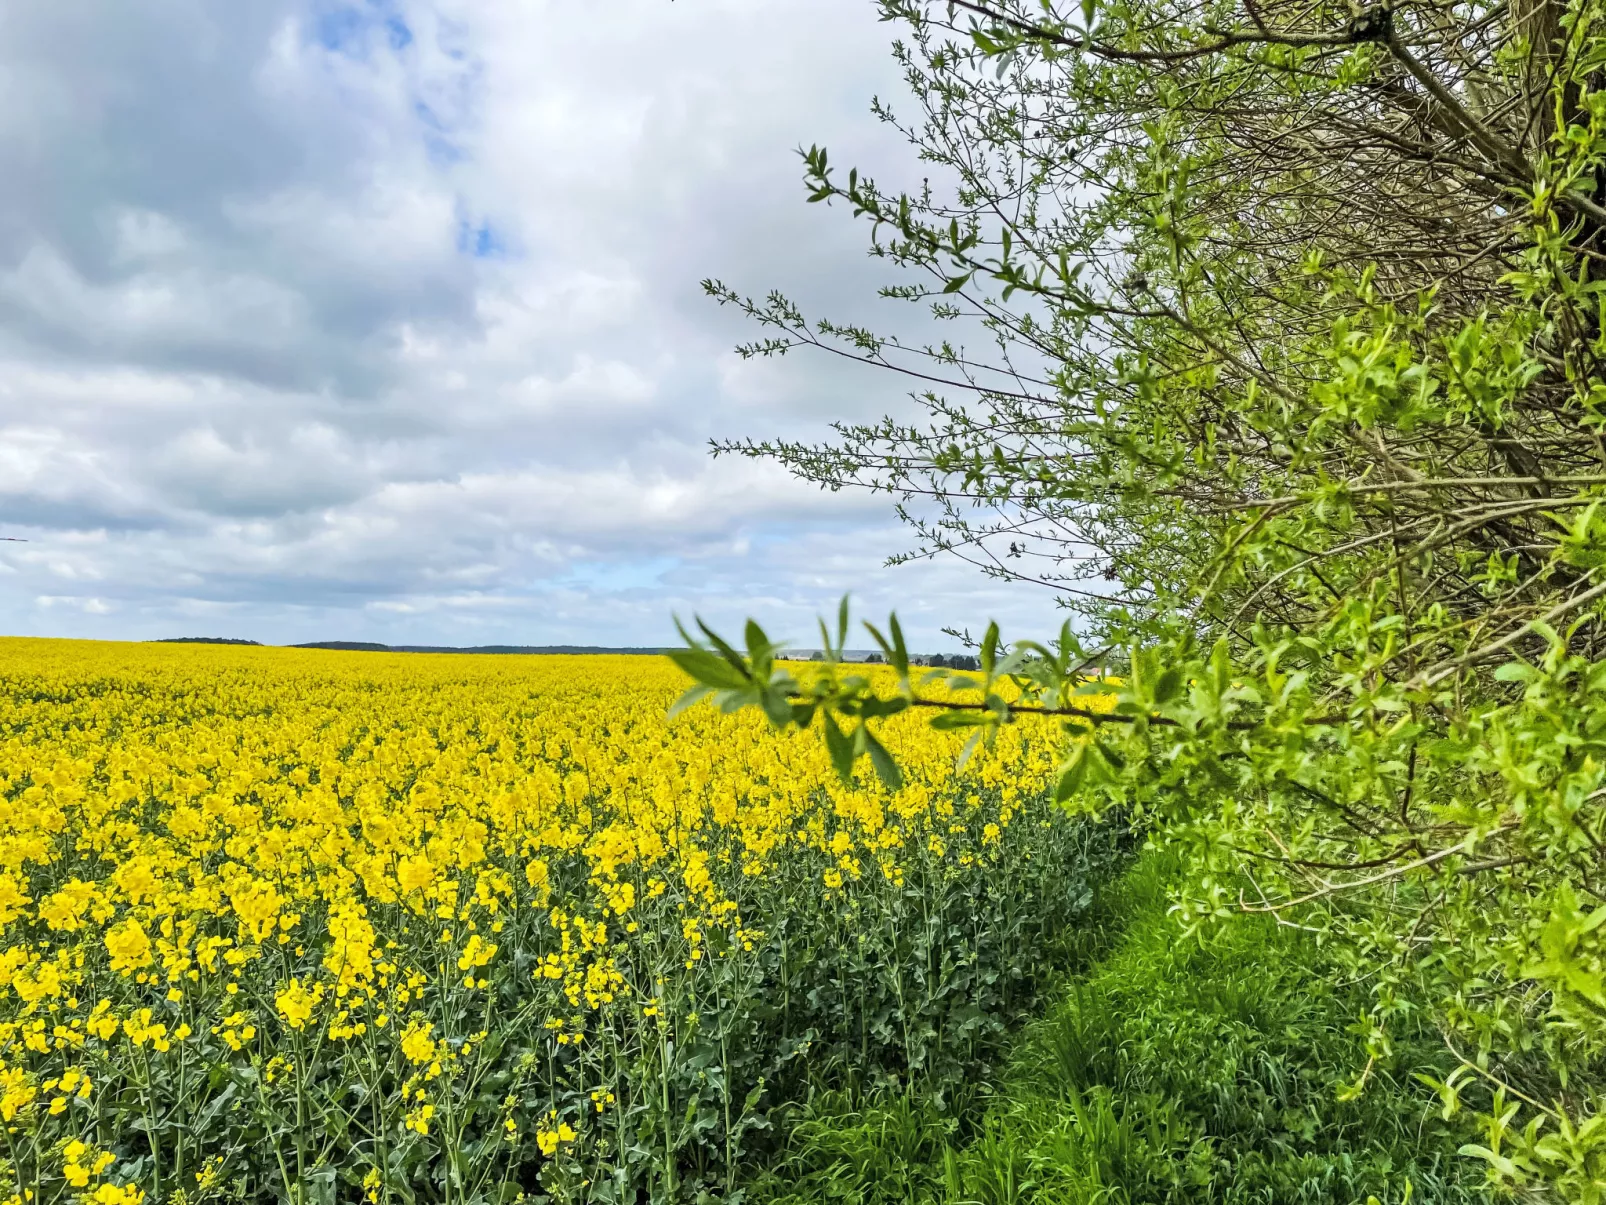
(958, 661)
(205, 640)
(523, 649)
(363, 646)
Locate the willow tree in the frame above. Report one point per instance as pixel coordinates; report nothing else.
(1267, 335)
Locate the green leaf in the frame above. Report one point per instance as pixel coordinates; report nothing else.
(1071, 774)
(989, 649)
(840, 746)
(970, 747)
(732, 657)
(703, 667)
(1115, 760)
(900, 650)
(1220, 667)
(732, 701)
(885, 768)
(1168, 686)
(690, 699)
(759, 647)
(1016, 658)
(947, 721)
(876, 709)
(1068, 647)
(896, 655)
(777, 707)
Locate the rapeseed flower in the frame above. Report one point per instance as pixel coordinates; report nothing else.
(385, 882)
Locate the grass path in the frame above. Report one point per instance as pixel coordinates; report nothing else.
(1162, 1071)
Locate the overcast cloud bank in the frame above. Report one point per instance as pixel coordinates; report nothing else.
(380, 321)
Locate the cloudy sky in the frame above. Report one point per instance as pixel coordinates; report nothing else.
(380, 320)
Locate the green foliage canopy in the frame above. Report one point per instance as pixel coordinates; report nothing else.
(1290, 327)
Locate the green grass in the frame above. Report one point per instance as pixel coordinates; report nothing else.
(1164, 1070)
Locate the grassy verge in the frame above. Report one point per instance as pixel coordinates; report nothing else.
(1164, 1071)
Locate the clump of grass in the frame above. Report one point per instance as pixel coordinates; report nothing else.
(1168, 1070)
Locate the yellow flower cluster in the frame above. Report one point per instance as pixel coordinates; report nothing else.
(261, 876)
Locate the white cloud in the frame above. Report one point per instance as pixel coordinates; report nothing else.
(380, 319)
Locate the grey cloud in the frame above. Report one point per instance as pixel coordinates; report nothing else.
(380, 319)
(203, 188)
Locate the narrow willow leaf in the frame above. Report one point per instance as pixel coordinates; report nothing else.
(945, 721)
(877, 709)
(970, 747)
(703, 667)
(758, 644)
(840, 747)
(1516, 671)
(1115, 760)
(989, 649)
(881, 641)
(690, 699)
(886, 768)
(1071, 774)
(776, 706)
(732, 657)
(901, 663)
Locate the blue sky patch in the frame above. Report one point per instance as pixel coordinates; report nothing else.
(400, 36)
(353, 29)
(481, 241)
(341, 29)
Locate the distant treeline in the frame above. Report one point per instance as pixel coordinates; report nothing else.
(933, 660)
(207, 640)
(368, 646)
(957, 661)
(363, 646)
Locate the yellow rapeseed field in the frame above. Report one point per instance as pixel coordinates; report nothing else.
(316, 926)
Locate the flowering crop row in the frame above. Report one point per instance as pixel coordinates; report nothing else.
(311, 926)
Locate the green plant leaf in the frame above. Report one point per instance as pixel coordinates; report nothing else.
(1168, 686)
(705, 668)
(1071, 774)
(840, 747)
(690, 699)
(886, 768)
